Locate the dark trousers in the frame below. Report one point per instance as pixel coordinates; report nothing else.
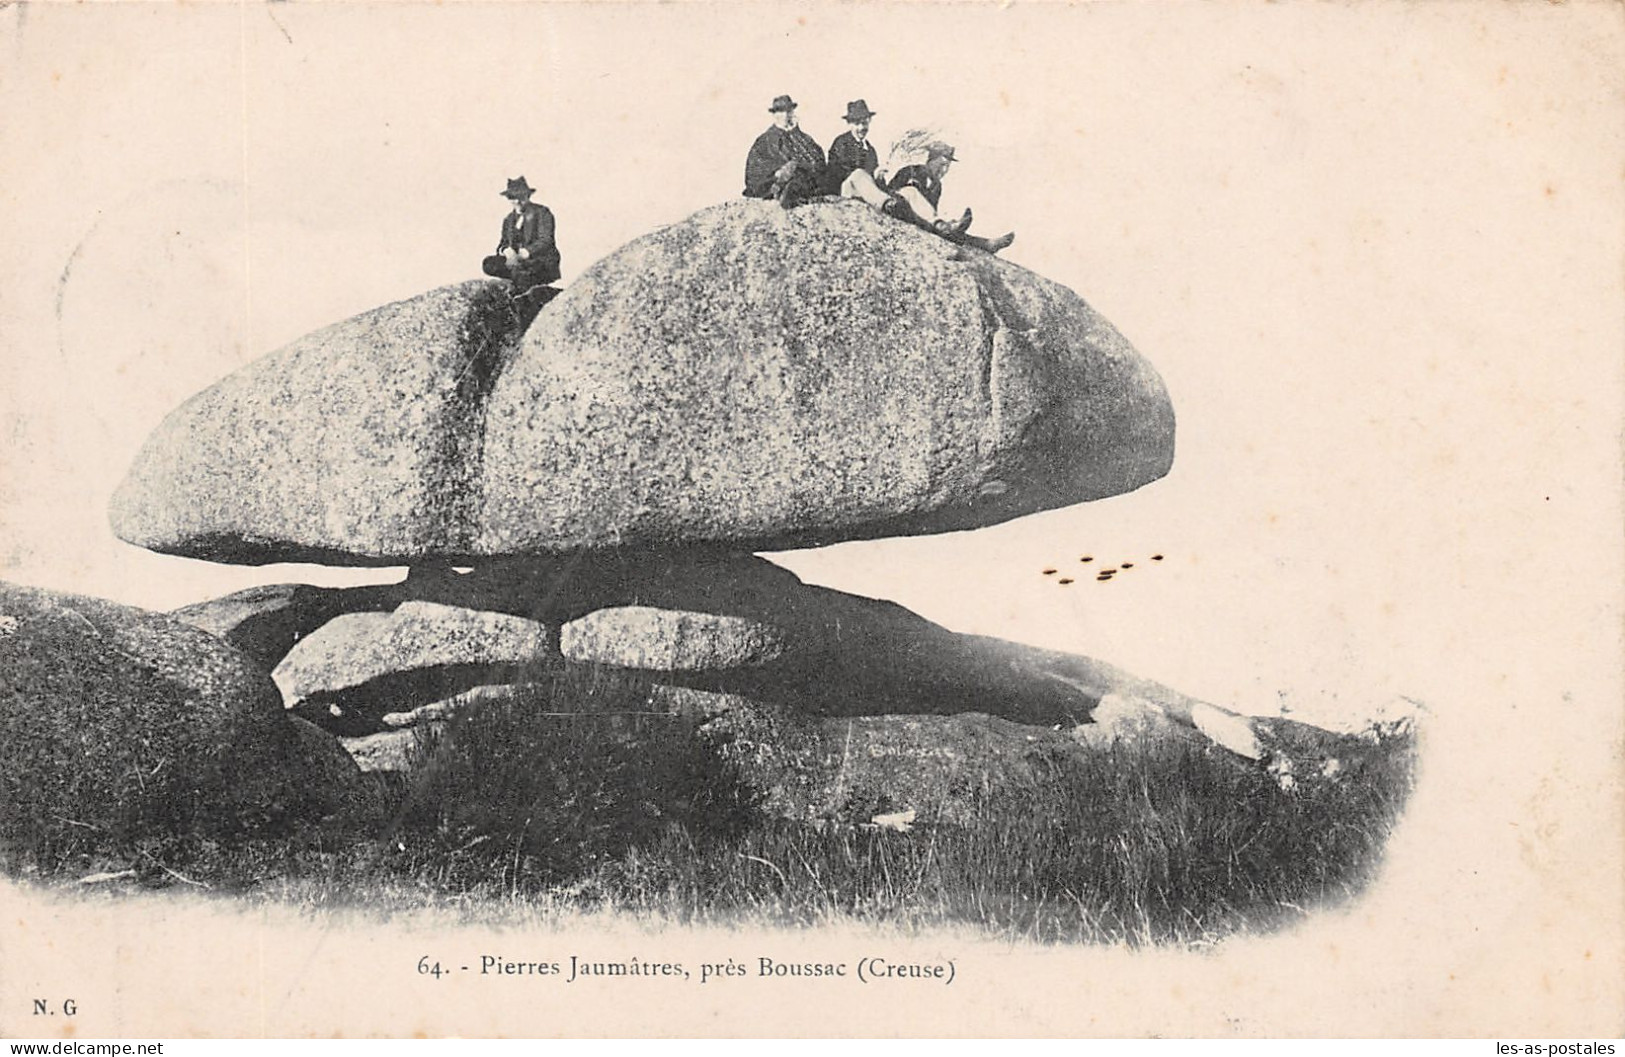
(525, 275)
(799, 189)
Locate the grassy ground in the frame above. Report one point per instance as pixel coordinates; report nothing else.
(519, 815)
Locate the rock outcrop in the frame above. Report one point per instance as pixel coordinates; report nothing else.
(830, 703)
(121, 721)
(929, 769)
(720, 622)
(336, 775)
(669, 640)
(364, 664)
(749, 379)
(265, 622)
(714, 621)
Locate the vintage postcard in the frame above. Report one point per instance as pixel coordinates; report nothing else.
(873, 519)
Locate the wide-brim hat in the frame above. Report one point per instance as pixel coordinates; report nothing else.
(518, 189)
(781, 103)
(858, 110)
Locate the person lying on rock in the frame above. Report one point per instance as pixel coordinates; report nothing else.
(784, 163)
(527, 253)
(913, 194)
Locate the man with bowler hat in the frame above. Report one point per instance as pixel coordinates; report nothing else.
(784, 162)
(527, 253)
(851, 150)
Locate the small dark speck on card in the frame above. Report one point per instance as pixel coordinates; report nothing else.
(1049, 572)
(1128, 565)
(1086, 558)
(1156, 557)
(1064, 580)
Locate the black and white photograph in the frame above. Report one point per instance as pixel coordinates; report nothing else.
(560, 520)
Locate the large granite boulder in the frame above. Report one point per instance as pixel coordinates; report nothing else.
(359, 666)
(264, 622)
(780, 378)
(671, 640)
(749, 378)
(123, 723)
(346, 791)
(358, 444)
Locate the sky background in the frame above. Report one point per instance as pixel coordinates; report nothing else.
(1375, 251)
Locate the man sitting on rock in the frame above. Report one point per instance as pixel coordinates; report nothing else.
(526, 254)
(784, 162)
(852, 152)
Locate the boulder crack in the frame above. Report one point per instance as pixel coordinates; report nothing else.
(490, 341)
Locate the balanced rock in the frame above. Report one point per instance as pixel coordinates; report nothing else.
(751, 378)
(128, 723)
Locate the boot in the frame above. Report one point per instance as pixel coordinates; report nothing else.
(952, 229)
(990, 245)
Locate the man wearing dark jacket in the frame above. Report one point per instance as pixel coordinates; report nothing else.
(851, 150)
(925, 179)
(526, 253)
(919, 188)
(784, 162)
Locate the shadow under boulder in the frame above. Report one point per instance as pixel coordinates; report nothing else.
(834, 706)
